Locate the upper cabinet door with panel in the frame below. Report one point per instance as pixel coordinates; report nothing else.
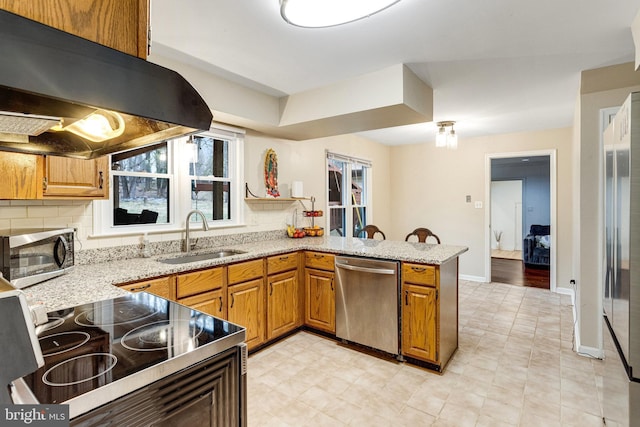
(20, 176)
(120, 24)
(69, 178)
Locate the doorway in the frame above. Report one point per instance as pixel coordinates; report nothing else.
(506, 219)
(521, 190)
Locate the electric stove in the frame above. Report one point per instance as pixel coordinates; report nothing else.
(99, 352)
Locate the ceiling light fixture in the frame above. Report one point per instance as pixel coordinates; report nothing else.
(446, 138)
(328, 13)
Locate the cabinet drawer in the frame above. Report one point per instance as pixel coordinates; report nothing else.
(319, 260)
(199, 281)
(284, 262)
(419, 273)
(161, 287)
(244, 271)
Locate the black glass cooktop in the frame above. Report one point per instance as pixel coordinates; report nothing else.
(102, 343)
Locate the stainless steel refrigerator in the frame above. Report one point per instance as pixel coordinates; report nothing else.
(621, 299)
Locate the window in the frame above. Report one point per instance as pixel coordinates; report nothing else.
(210, 179)
(154, 187)
(141, 182)
(344, 172)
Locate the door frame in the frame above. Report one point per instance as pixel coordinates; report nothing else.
(552, 207)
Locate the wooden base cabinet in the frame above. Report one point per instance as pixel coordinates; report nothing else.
(209, 302)
(430, 312)
(282, 294)
(203, 290)
(246, 308)
(282, 303)
(419, 331)
(162, 287)
(320, 292)
(246, 299)
(320, 300)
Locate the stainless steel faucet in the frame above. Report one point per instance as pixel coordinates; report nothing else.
(187, 240)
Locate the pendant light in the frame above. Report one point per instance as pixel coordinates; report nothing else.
(446, 138)
(328, 13)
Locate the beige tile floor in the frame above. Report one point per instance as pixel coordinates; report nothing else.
(514, 367)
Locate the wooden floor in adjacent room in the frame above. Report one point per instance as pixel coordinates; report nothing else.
(512, 271)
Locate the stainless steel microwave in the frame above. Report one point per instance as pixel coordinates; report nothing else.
(28, 257)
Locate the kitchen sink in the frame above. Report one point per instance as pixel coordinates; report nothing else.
(184, 259)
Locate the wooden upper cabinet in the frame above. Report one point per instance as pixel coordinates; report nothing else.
(21, 176)
(119, 24)
(70, 178)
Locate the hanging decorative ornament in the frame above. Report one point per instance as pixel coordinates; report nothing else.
(271, 173)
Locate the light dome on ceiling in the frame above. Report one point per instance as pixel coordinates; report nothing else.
(328, 13)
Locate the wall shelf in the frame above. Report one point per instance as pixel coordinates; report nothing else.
(274, 199)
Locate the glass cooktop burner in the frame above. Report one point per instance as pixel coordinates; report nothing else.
(80, 369)
(119, 314)
(62, 342)
(127, 336)
(161, 335)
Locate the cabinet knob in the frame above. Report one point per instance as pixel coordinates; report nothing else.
(100, 179)
(45, 183)
(418, 269)
(270, 289)
(220, 310)
(232, 300)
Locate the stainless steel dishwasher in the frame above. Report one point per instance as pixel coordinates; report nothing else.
(367, 301)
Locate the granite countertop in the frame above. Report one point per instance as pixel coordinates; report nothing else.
(95, 282)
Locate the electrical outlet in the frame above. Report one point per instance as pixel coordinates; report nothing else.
(468, 199)
(478, 204)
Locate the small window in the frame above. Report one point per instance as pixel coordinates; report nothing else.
(141, 183)
(210, 178)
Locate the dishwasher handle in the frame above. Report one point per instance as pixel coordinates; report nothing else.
(366, 269)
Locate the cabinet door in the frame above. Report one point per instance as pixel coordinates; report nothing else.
(69, 178)
(282, 303)
(119, 24)
(246, 308)
(163, 287)
(196, 282)
(21, 176)
(209, 302)
(320, 300)
(419, 329)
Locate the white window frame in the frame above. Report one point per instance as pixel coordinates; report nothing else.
(180, 190)
(347, 203)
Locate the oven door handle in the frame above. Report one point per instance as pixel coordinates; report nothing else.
(60, 250)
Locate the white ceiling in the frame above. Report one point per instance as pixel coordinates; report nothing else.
(495, 66)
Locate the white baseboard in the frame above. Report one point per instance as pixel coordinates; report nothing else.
(473, 278)
(582, 350)
(596, 353)
(568, 291)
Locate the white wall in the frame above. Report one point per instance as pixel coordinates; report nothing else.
(299, 161)
(601, 88)
(430, 186)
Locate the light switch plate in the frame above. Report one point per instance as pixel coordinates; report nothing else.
(478, 204)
